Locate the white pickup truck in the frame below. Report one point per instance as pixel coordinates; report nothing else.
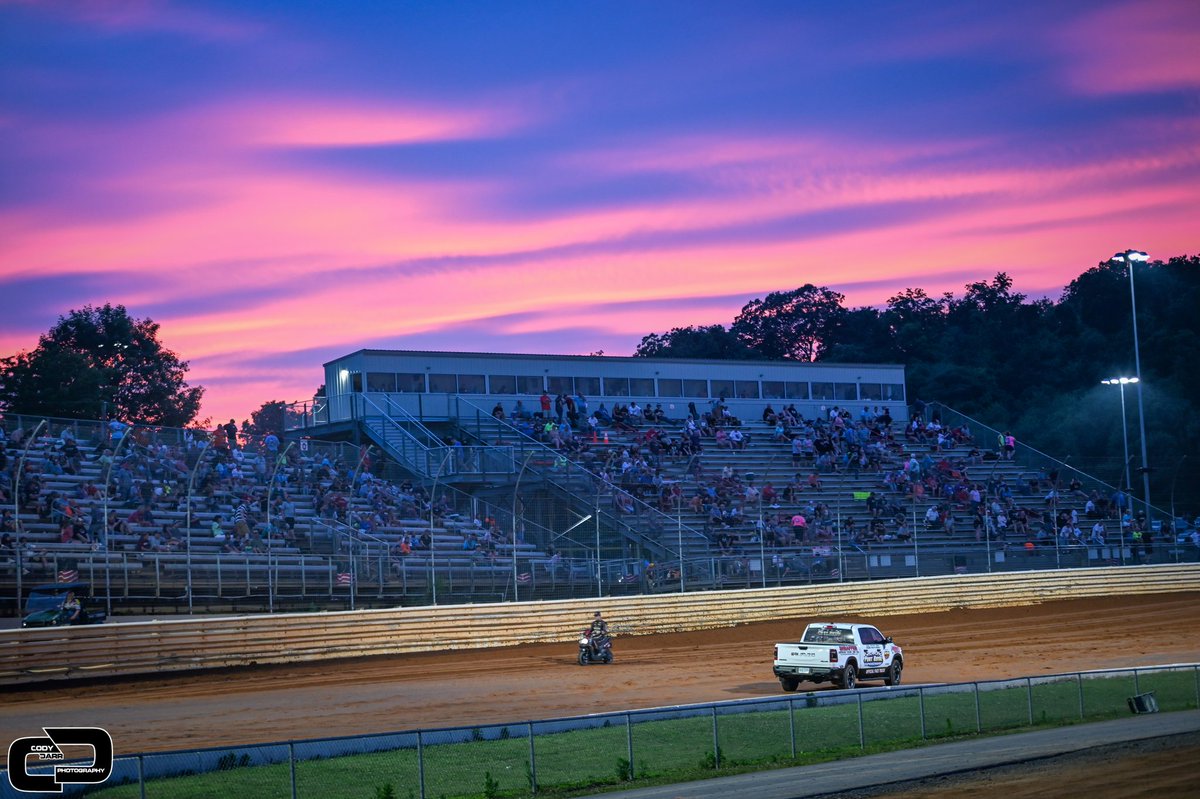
(839, 653)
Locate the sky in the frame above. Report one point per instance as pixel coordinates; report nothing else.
(281, 183)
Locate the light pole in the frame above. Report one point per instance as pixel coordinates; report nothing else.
(1121, 382)
(516, 496)
(1129, 258)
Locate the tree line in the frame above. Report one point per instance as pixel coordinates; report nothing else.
(1032, 366)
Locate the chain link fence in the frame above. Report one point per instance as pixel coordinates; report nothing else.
(611, 749)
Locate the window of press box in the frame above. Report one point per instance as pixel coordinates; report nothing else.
(587, 386)
(502, 384)
(796, 391)
(670, 387)
(695, 388)
(746, 389)
(472, 384)
(641, 387)
(822, 391)
(893, 392)
(443, 384)
(722, 388)
(561, 385)
(530, 384)
(381, 381)
(356, 382)
(410, 382)
(845, 391)
(616, 386)
(870, 391)
(772, 389)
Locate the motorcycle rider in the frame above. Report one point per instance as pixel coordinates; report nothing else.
(599, 632)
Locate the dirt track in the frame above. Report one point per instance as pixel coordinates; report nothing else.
(472, 687)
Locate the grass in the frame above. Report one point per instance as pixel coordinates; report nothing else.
(668, 748)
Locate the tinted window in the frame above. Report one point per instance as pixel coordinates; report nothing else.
(616, 386)
(828, 635)
(471, 384)
(587, 385)
(695, 388)
(641, 387)
(502, 384)
(670, 387)
(443, 384)
(410, 383)
(797, 390)
(822, 391)
(381, 381)
(773, 389)
(529, 385)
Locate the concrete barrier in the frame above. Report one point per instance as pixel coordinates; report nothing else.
(211, 642)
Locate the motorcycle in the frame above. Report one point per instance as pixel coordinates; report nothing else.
(598, 650)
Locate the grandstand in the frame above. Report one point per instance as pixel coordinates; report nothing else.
(500, 502)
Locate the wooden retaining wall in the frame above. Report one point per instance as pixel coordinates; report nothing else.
(210, 642)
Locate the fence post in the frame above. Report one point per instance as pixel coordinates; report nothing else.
(142, 776)
(1137, 688)
(978, 717)
(629, 743)
(532, 763)
(716, 739)
(421, 763)
(292, 765)
(1079, 680)
(792, 725)
(862, 735)
(1196, 675)
(1029, 698)
(921, 704)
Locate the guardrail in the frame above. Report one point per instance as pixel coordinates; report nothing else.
(34, 655)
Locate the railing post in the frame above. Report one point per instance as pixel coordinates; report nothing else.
(532, 763)
(141, 776)
(792, 725)
(629, 736)
(978, 716)
(921, 705)
(862, 733)
(1136, 683)
(421, 763)
(716, 739)
(1079, 683)
(292, 765)
(1029, 698)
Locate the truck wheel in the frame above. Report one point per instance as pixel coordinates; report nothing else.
(893, 673)
(789, 683)
(849, 677)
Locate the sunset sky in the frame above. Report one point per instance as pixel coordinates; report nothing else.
(281, 183)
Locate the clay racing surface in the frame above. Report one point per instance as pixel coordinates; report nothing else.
(471, 687)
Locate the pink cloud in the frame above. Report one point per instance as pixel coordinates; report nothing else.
(1133, 47)
(146, 16)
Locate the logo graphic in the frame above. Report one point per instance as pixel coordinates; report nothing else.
(47, 750)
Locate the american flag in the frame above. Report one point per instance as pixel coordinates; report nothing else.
(68, 575)
(344, 578)
(524, 577)
(835, 572)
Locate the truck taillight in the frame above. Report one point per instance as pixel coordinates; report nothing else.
(833, 656)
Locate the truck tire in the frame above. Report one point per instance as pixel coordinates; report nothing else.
(894, 673)
(849, 678)
(789, 683)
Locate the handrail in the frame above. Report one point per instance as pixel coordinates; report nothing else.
(644, 508)
(1061, 464)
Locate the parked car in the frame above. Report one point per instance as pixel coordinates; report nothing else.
(44, 606)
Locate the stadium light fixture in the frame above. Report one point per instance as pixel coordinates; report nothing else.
(1121, 382)
(1129, 258)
